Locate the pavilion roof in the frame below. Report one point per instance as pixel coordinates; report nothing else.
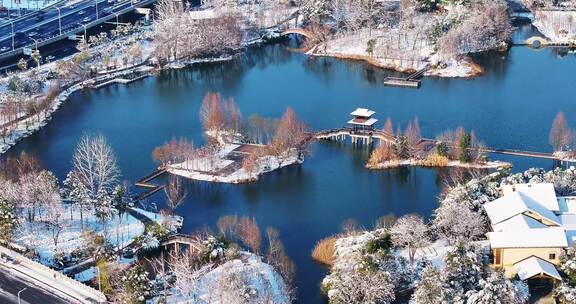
(360, 121)
(362, 112)
(534, 266)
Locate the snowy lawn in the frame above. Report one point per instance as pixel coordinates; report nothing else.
(119, 231)
(260, 283)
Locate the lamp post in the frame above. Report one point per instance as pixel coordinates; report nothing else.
(99, 284)
(21, 290)
(12, 23)
(59, 20)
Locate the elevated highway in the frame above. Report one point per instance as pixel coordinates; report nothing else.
(60, 22)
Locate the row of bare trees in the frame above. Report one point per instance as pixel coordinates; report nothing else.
(488, 25)
(561, 137)
(234, 233)
(223, 122)
(179, 36)
(451, 145)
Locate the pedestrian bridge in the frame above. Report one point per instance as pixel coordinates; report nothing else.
(300, 31)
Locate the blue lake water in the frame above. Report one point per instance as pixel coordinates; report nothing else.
(512, 105)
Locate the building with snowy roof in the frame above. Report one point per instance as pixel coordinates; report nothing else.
(531, 228)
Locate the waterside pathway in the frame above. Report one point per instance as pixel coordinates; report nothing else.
(512, 105)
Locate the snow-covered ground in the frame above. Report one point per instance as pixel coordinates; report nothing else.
(119, 231)
(260, 283)
(454, 163)
(558, 26)
(411, 53)
(219, 168)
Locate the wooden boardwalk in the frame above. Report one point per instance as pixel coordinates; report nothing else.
(146, 183)
(342, 133)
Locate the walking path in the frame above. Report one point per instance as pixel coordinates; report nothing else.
(48, 279)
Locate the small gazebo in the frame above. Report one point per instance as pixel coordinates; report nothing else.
(362, 120)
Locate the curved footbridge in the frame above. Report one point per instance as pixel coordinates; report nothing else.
(537, 42)
(367, 137)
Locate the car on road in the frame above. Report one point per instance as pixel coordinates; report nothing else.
(86, 19)
(4, 49)
(49, 58)
(81, 13)
(128, 253)
(32, 34)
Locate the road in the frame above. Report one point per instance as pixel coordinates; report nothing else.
(46, 24)
(11, 284)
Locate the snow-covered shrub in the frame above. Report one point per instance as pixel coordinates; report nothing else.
(137, 285)
(381, 244)
(215, 248)
(495, 289)
(428, 288)
(149, 242)
(463, 270)
(568, 266)
(564, 180)
(362, 287)
(565, 293)
(8, 220)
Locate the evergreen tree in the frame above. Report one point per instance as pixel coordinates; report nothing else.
(8, 220)
(401, 147)
(495, 289)
(442, 149)
(429, 288)
(464, 145)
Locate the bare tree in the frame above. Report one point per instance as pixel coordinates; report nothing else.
(560, 134)
(467, 226)
(362, 287)
(187, 272)
(249, 233)
(410, 232)
(227, 225)
(211, 113)
(413, 136)
(175, 192)
(290, 137)
(278, 258)
(95, 164)
(55, 217)
(388, 127)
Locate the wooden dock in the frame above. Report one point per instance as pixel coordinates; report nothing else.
(146, 183)
(412, 81)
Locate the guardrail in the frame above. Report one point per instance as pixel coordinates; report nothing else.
(91, 295)
(75, 30)
(33, 11)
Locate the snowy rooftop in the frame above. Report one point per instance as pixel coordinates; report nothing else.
(567, 204)
(535, 266)
(203, 14)
(517, 222)
(542, 193)
(568, 222)
(516, 203)
(363, 121)
(551, 237)
(362, 112)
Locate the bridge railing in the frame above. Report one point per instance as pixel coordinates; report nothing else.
(44, 272)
